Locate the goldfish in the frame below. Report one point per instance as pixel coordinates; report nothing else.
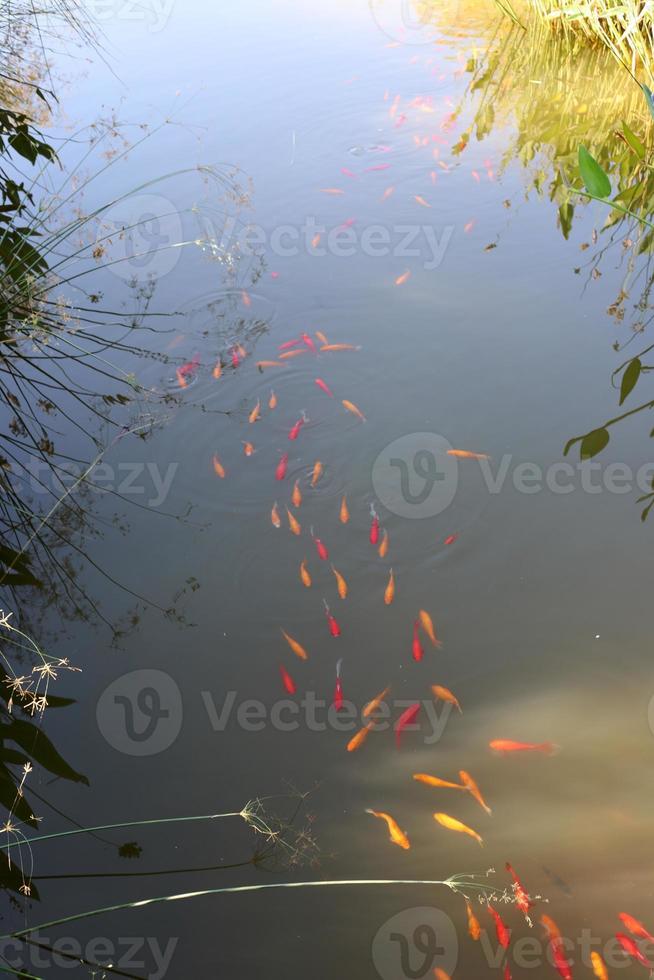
(507, 972)
(305, 578)
(289, 343)
(242, 353)
(635, 927)
(403, 278)
(451, 824)
(375, 703)
(287, 680)
(296, 497)
(475, 792)
(469, 226)
(245, 298)
(441, 974)
(280, 472)
(389, 593)
(428, 627)
(331, 190)
(291, 353)
(502, 932)
(295, 430)
(315, 241)
(335, 347)
(476, 176)
(344, 514)
(272, 401)
(558, 955)
(416, 647)
(255, 413)
(357, 740)
(374, 526)
(521, 896)
(341, 584)
(450, 539)
(338, 690)
(378, 166)
(316, 473)
(422, 777)
(407, 718)
(236, 357)
(187, 370)
(218, 369)
(321, 337)
(268, 364)
(387, 193)
(351, 407)
(396, 836)
(218, 468)
(296, 647)
(474, 929)
(599, 966)
(504, 745)
(274, 516)
(348, 173)
(308, 342)
(334, 628)
(320, 547)
(248, 448)
(383, 545)
(421, 200)
(446, 695)
(632, 949)
(466, 454)
(550, 926)
(324, 387)
(293, 524)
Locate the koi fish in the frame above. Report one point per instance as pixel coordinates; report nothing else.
(389, 593)
(428, 627)
(308, 341)
(421, 200)
(502, 931)
(357, 740)
(236, 359)
(334, 628)
(248, 448)
(375, 703)
(255, 413)
(441, 974)
(295, 430)
(341, 584)
(315, 241)
(351, 407)
(346, 172)
(476, 176)
(218, 369)
(416, 647)
(396, 836)
(187, 370)
(444, 694)
(407, 718)
(245, 298)
(293, 524)
(422, 777)
(305, 578)
(288, 344)
(521, 896)
(344, 514)
(378, 166)
(469, 226)
(474, 929)
(466, 454)
(504, 746)
(280, 472)
(451, 824)
(550, 927)
(317, 472)
(296, 647)
(272, 401)
(320, 547)
(507, 972)
(632, 949)
(287, 680)
(560, 961)
(218, 468)
(321, 337)
(334, 347)
(296, 497)
(450, 539)
(383, 546)
(324, 387)
(274, 516)
(387, 193)
(635, 927)
(403, 278)
(338, 690)
(331, 190)
(268, 364)
(599, 966)
(374, 527)
(291, 353)
(475, 792)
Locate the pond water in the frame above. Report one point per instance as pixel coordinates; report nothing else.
(477, 326)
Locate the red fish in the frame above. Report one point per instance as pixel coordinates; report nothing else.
(417, 650)
(334, 628)
(280, 472)
(348, 173)
(635, 927)
(501, 930)
(324, 387)
(406, 718)
(320, 547)
(295, 431)
(560, 961)
(521, 896)
(309, 343)
(187, 370)
(632, 949)
(287, 680)
(289, 344)
(236, 360)
(374, 527)
(338, 690)
(450, 539)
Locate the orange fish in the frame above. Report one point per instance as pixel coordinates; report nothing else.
(422, 777)
(351, 407)
(474, 929)
(428, 627)
(505, 745)
(292, 353)
(296, 498)
(218, 370)
(268, 364)
(316, 473)
(344, 514)
(246, 299)
(305, 578)
(474, 790)
(272, 403)
(465, 454)
(357, 740)
(635, 927)
(389, 594)
(248, 448)
(331, 190)
(422, 201)
(444, 694)
(396, 836)
(383, 545)
(451, 824)
(403, 278)
(469, 226)
(218, 468)
(441, 974)
(321, 337)
(315, 241)
(333, 347)
(522, 899)
(553, 931)
(387, 193)
(599, 966)
(255, 413)
(340, 583)
(293, 524)
(375, 703)
(274, 516)
(296, 647)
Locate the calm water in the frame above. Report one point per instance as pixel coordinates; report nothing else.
(540, 602)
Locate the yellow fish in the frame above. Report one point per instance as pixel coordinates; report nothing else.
(428, 627)
(474, 790)
(293, 524)
(340, 583)
(357, 740)
(389, 594)
(344, 514)
(317, 473)
(255, 413)
(396, 835)
(351, 407)
(296, 647)
(383, 545)
(304, 575)
(446, 695)
(451, 824)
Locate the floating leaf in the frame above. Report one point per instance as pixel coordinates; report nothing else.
(594, 442)
(630, 377)
(595, 180)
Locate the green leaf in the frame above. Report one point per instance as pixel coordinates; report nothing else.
(566, 214)
(630, 377)
(32, 740)
(633, 141)
(649, 98)
(595, 180)
(593, 443)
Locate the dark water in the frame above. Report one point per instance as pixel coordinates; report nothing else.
(541, 602)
